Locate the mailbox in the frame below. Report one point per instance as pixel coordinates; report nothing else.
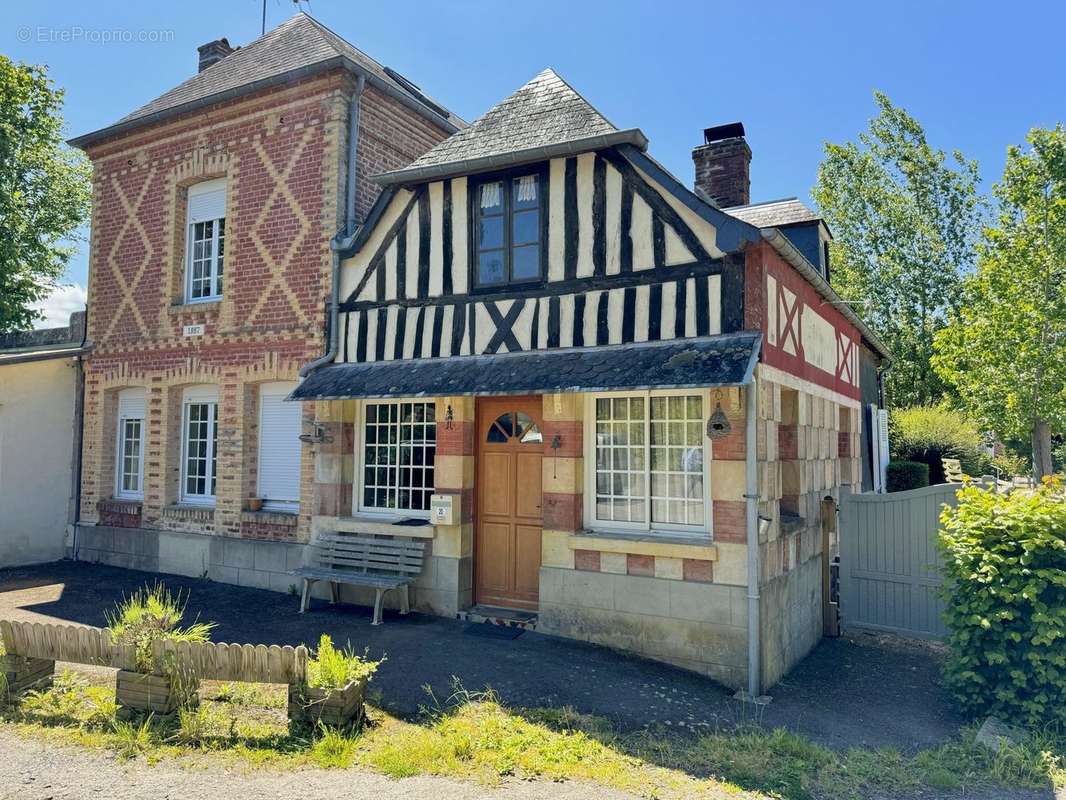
(442, 509)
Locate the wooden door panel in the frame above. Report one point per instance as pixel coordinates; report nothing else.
(527, 560)
(529, 479)
(495, 555)
(497, 484)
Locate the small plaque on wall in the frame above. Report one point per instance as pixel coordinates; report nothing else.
(193, 330)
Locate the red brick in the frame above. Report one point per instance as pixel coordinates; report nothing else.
(458, 440)
(587, 560)
(730, 521)
(698, 570)
(562, 512)
(843, 444)
(640, 565)
(787, 443)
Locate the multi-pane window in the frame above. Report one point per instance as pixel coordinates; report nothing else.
(129, 454)
(509, 231)
(399, 445)
(200, 440)
(649, 461)
(205, 260)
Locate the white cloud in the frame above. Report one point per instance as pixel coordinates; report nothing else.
(59, 305)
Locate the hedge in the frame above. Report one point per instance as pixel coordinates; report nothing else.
(903, 475)
(1005, 602)
(932, 433)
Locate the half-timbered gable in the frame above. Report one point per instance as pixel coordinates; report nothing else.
(621, 260)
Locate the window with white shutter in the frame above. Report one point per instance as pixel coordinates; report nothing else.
(129, 449)
(205, 248)
(279, 447)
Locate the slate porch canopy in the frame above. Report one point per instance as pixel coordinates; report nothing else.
(709, 361)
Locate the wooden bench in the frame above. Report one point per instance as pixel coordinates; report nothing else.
(381, 563)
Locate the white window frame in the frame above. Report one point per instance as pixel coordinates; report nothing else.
(216, 291)
(668, 529)
(198, 395)
(283, 506)
(120, 448)
(385, 514)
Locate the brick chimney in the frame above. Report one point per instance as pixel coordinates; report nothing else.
(722, 163)
(213, 52)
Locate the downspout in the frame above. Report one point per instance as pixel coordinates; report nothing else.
(751, 497)
(344, 237)
(79, 436)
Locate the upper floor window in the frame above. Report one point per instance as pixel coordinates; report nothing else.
(509, 219)
(129, 461)
(206, 241)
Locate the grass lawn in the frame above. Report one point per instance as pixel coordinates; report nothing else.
(474, 737)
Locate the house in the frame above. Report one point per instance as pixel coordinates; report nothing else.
(622, 400)
(214, 208)
(41, 374)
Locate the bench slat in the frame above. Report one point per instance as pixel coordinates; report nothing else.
(354, 578)
(410, 544)
(383, 551)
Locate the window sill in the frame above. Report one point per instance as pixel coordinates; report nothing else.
(271, 517)
(200, 306)
(383, 526)
(120, 505)
(645, 544)
(190, 513)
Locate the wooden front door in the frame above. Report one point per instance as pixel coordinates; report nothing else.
(509, 518)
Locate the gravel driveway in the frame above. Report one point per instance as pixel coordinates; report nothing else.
(30, 770)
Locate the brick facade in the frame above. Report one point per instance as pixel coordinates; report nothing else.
(282, 152)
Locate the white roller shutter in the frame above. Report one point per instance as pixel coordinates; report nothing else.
(207, 200)
(131, 404)
(279, 446)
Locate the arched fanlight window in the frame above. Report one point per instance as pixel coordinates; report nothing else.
(514, 425)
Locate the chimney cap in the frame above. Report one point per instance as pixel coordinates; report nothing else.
(717, 133)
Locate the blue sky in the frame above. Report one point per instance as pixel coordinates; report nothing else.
(978, 75)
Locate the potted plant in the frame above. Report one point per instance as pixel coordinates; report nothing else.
(334, 691)
(149, 615)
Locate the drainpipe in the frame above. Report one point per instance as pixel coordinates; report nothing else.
(342, 239)
(751, 496)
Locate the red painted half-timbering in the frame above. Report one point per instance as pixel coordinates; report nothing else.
(803, 334)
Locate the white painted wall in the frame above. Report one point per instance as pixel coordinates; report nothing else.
(36, 454)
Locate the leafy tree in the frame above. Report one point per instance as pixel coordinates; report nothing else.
(905, 218)
(44, 192)
(1006, 350)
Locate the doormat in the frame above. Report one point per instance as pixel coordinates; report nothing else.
(493, 631)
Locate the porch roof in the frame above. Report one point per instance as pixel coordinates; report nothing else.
(723, 360)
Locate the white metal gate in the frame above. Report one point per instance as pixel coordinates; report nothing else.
(889, 562)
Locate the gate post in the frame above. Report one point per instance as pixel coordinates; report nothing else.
(830, 618)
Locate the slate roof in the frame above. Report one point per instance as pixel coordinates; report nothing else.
(300, 43)
(774, 213)
(546, 111)
(724, 360)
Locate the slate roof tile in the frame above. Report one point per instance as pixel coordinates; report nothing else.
(724, 360)
(775, 213)
(546, 111)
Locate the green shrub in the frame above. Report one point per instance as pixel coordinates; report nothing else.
(150, 614)
(1005, 602)
(903, 475)
(330, 668)
(931, 433)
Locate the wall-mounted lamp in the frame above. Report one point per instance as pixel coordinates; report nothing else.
(718, 424)
(556, 443)
(318, 435)
(449, 417)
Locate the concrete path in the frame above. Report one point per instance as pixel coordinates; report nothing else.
(848, 692)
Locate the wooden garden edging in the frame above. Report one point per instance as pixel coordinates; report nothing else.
(32, 648)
